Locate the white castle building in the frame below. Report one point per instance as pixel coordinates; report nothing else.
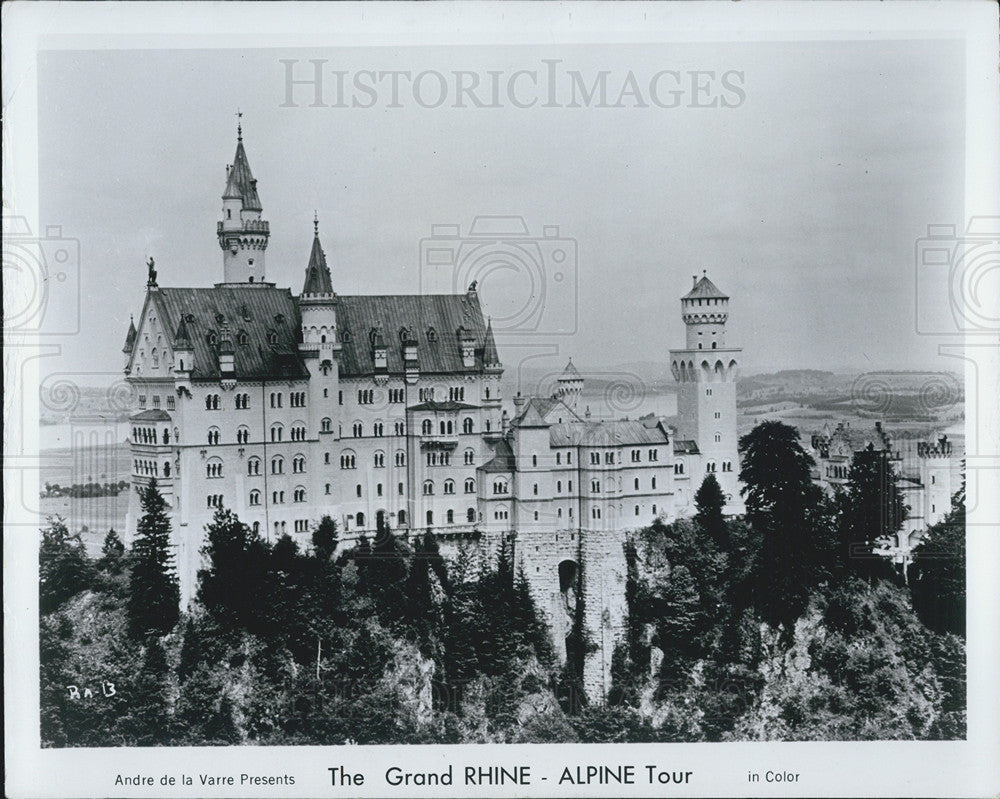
(388, 410)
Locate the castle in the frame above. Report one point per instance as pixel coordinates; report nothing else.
(387, 411)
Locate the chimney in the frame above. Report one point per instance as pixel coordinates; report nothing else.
(518, 402)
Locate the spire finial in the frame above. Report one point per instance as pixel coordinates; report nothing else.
(315, 224)
(239, 125)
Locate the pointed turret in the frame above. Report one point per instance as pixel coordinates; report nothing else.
(318, 280)
(183, 349)
(130, 337)
(569, 385)
(491, 358)
(243, 234)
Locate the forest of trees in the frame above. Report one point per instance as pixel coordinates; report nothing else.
(785, 623)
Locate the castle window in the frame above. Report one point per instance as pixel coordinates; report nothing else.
(357, 489)
(299, 433)
(400, 458)
(277, 432)
(428, 487)
(536, 515)
(431, 334)
(212, 339)
(348, 461)
(636, 510)
(399, 489)
(636, 456)
(358, 429)
(430, 517)
(569, 457)
(426, 427)
(470, 515)
(654, 482)
(637, 484)
(679, 467)
(379, 460)
(171, 402)
(211, 402)
(378, 429)
(299, 495)
(609, 457)
(213, 436)
(450, 516)
(558, 458)
(708, 392)
(569, 487)
(595, 458)
(277, 465)
(326, 425)
(558, 486)
(467, 425)
(242, 435)
(470, 486)
(534, 489)
(449, 486)
(595, 513)
(402, 518)
(272, 338)
(718, 438)
(534, 460)
(470, 457)
(242, 338)
(166, 470)
(255, 497)
(253, 466)
(654, 454)
(298, 464)
(595, 486)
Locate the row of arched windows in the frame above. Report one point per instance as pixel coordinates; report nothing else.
(150, 468)
(148, 435)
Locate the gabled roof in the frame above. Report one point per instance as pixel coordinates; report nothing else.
(130, 336)
(240, 181)
(530, 416)
(431, 320)
(622, 432)
(256, 311)
(704, 289)
(503, 461)
(686, 446)
(318, 279)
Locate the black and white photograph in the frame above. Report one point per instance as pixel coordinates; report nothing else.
(485, 400)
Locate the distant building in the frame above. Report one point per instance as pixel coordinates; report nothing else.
(929, 474)
(387, 410)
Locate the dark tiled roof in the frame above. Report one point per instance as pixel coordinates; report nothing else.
(685, 447)
(182, 339)
(570, 372)
(705, 289)
(152, 415)
(545, 407)
(503, 460)
(253, 310)
(442, 406)
(605, 434)
(490, 355)
(432, 320)
(240, 181)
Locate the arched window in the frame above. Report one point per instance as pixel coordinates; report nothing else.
(358, 429)
(277, 432)
(426, 428)
(450, 516)
(402, 518)
(470, 457)
(467, 425)
(213, 435)
(166, 470)
(378, 429)
(299, 464)
(449, 486)
(430, 517)
(470, 486)
(360, 519)
(253, 466)
(400, 458)
(213, 468)
(470, 515)
(348, 460)
(326, 425)
(255, 497)
(242, 435)
(379, 459)
(299, 495)
(428, 487)
(277, 465)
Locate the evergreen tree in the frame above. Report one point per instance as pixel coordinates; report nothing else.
(937, 577)
(154, 594)
(148, 722)
(710, 500)
(112, 554)
(780, 499)
(873, 514)
(229, 588)
(324, 538)
(64, 569)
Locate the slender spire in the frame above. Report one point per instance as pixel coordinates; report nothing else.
(490, 355)
(318, 280)
(182, 339)
(239, 125)
(240, 182)
(131, 336)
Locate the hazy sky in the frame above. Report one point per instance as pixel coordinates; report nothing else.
(803, 200)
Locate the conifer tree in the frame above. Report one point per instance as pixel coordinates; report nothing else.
(710, 501)
(112, 553)
(780, 499)
(874, 513)
(154, 595)
(63, 566)
(229, 587)
(937, 581)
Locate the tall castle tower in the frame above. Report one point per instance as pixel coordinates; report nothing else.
(317, 305)
(569, 385)
(242, 233)
(706, 372)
